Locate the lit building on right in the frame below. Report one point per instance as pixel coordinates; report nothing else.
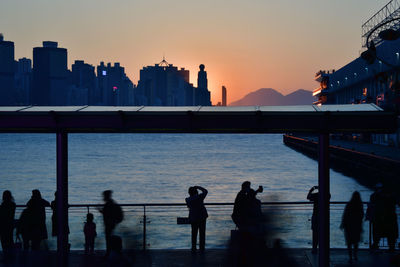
(371, 78)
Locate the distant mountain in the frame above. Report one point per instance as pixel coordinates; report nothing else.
(271, 97)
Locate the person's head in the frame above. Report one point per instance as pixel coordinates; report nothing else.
(192, 191)
(356, 197)
(378, 187)
(246, 185)
(116, 243)
(36, 194)
(107, 195)
(7, 196)
(89, 217)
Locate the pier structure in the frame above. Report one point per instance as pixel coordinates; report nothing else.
(374, 76)
(321, 120)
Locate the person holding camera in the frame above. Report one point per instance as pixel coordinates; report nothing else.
(246, 206)
(197, 215)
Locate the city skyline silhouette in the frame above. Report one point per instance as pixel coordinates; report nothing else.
(245, 46)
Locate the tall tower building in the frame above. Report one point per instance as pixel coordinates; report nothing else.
(202, 95)
(50, 75)
(202, 82)
(6, 72)
(223, 96)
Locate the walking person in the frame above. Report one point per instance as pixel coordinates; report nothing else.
(197, 215)
(112, 215)
(37, 215)
(352, 224)
(24, 228)
(382, 214)
(89, 230)
(7, 212)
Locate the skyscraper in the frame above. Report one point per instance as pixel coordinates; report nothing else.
(114, 87)
(49, 75)
(83, 81)
(23, 81)
(164, 85)
(223, 96)
(6, 72)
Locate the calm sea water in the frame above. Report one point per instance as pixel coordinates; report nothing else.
(154, 168)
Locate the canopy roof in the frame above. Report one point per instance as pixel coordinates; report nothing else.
(197, 119)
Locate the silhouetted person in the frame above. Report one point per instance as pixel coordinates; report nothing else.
(90, 233)
(254, 210)
(37, 218)
(245, 204)
(382, 214)
(239, 207)
(24, 227)
(54, 218)
(352, 223)
(313, 197)
(391, 230)
(376, 215)
(7, 212)
(248, 218)
(112, 215)
(197, 215)
(54, 228)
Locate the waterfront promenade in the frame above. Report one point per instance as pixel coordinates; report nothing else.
(210, 258)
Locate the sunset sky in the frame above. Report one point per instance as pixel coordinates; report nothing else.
(245, 45)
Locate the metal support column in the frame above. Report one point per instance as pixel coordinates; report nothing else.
(323, 200)
(62, 197)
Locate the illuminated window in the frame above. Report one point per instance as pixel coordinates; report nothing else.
(104, 73)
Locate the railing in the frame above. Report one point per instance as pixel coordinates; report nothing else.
(154, 225)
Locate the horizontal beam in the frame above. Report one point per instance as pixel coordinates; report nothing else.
(198, 122)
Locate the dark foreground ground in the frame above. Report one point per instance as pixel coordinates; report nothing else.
(212, 257)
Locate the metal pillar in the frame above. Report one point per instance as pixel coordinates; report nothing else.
(323, 200)
(62, 197)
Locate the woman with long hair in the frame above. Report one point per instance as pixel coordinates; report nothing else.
(352, 223)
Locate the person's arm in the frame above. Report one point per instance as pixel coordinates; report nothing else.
(310, 193)
(45, 203)
(259, 189)
(204, 191)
